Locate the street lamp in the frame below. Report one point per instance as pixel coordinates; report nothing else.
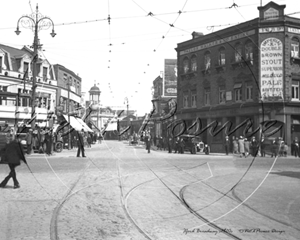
(68, 111)
(36, 22)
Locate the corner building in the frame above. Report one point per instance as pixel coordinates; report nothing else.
(247, 71)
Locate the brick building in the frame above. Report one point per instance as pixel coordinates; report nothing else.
(69, 87)
(247, 71)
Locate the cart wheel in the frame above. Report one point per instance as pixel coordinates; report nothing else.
(58, 147)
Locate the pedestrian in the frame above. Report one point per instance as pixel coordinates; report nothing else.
(12, 154)
(29, 141)
(170, 144)
(227, 145)
(262, 147)
(247, 147)
(48, 142)
(80, 143)
(241, 146)
(235, 146)
(254, 147)
(176, 145)
(295, 145)
(181, 146)
(148, 140)
(275, 147)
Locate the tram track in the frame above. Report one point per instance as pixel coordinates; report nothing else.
(182, 201)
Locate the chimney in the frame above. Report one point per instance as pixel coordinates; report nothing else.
(197, 34)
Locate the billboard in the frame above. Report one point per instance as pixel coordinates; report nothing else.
(170, 78)
(271, 74)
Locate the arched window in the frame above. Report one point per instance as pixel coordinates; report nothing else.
(238, 52)
(207, 60)
(249, 52)
(194, 63)
(221, 56)
(295, 47)
(186, 66)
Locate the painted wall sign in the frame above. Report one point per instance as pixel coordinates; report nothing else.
(271, 29)
(294, 30)
(170, 78)
(217, 42)
(271, 69)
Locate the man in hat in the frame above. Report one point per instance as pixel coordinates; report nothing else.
(227, 145)
(12, 154)
(80, 143)
(254, 147)
(29, 141)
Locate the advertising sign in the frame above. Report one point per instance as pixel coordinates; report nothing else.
(170, 78)
(271, 65)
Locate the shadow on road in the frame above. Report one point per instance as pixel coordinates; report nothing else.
(288, 174)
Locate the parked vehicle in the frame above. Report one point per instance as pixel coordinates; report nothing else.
(190, 143)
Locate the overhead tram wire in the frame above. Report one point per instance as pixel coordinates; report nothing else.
(172, 25)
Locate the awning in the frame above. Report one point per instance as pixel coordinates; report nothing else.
(86, 127)
(77, 124)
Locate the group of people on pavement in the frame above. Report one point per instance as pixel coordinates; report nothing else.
(245, 147)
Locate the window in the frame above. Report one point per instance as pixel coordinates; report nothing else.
(238, 53)
(295, 90)
(222, 95)
(238, 92)
(186, 65)
(295, 48)
(194, 63)
(222, 56)
(194, 100)
(207, 60)
(207, 97)
(185, 101)
(249, 92)
(26, 66)
(45, 72)
(249, 52)
(0, 64)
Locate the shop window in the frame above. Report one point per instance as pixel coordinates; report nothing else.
(222, 95)
(207, 97)
(249, 52)
(249, 92)
(295, 90)
(186, 65)
(207, 60)
(222, 56)
(295, 48)
(238, 53)
(194, 63)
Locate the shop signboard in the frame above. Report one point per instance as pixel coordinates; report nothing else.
(170, 78)
(271, 71)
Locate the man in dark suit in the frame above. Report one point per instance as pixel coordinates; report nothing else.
(12, 154)
(29, 141)
(227, 145)
(80, 143)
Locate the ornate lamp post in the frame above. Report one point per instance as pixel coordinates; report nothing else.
(36, 22)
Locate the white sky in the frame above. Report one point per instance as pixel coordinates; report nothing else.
(132, 65)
